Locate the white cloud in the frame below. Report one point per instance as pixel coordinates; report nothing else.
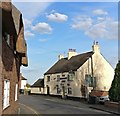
(99, 19)
(43, 40)
(28, 34)
(57, 17)
(106, 30)
(82, 23)
(100, 12)
(42, 28)
(97, 31)
(101, 28)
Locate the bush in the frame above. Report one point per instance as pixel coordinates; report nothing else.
(114, 92)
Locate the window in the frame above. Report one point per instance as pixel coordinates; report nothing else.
(6, 94)
(71, 76)
(39, 88)
(58, 89)
(90, 81)
(58, 77)
(69, 90)
(48, 78)
(16, 92)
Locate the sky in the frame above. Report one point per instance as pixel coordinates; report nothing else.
(51, 28)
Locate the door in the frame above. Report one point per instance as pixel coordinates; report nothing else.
(48, 90)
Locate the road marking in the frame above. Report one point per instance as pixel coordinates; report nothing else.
(50, 100)
(37, 113)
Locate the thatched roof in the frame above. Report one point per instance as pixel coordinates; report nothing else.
(38, 83)
(12, 23)
(65, 65)
(6, 6)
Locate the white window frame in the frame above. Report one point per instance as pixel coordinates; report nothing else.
(16, 92)
(6, 96)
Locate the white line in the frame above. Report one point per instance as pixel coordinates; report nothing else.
(50, 100)
(37, 113)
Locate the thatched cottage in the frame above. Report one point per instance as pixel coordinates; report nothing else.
(12, 55)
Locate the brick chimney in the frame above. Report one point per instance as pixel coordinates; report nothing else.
(72, 52)
(96, 47)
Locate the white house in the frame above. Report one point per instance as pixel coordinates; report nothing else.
(38, 87)
(78, 74)
(22, 83)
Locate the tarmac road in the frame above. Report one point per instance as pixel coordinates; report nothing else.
(40, 104)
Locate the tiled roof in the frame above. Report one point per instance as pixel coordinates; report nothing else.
(38, 83)
(22, 78)
(65, 65)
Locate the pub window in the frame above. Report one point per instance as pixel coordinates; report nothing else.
(58, 89)
(48, 78)
(71, 76)
(69, 90)
(90, 81)
(58, 77)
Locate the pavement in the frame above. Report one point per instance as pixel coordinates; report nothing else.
(24, 109)
(105, 108)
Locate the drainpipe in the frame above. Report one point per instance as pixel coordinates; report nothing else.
(92, 73)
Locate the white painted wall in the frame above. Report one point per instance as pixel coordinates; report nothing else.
(23, 84)
(37, 90)
(102, 71)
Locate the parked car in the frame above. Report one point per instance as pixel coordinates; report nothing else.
(102, 99)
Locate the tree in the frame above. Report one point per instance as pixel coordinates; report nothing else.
(114, 92)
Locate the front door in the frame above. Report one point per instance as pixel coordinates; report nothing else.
(48, 90)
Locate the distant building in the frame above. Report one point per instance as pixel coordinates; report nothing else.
(22, 83)
(78, 74)
(12, 55)
(38, 87)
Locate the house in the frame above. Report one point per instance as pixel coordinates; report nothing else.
(79, 75)
(13, 54)
(38, 87)
(22, 83)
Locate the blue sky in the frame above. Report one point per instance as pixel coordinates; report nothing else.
(52, 28)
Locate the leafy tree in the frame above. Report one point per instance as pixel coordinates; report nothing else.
(114, 91)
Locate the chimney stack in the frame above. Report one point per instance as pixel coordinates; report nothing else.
(72, 52)
(96, 47)
(60, 56)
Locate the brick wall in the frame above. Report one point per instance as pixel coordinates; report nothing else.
(11, 70)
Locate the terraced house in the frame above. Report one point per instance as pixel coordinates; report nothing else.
(12, 56)
(78, 75)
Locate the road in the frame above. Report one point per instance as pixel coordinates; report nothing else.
(51, 105)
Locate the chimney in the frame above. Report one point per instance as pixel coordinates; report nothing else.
(72, 52)
(96, 47)
(60, 56)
